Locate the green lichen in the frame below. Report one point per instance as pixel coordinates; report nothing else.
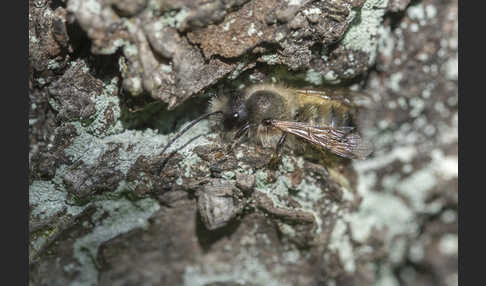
(228, 175)
(94, 140)
(130, 50)
(448, 244)
(307, 193)
(124, 216)
(238, 70)
(181, 16)
(330, 77)
(228, 24)
(361, 36)
(247, 268)
(313, 77)
(377, 211)
(113, 47)
(99, 126)
(416, 186)
(340, 242)
(53, 64)
(287, 230)
(421, 13)
(384, 210)
(386, 277)
(93, 7)
(166, 68)
(394, 81)
(171, 18)
(291, 256)
(41, 81)
(154, 5)
(251, 30)
(48, 200)
(270, 59)
(187, 142)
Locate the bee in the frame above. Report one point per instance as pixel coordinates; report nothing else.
(266, 114)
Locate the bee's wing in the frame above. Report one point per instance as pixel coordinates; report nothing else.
(339, 140)
(357, 98)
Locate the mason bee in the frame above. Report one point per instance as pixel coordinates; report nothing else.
(266, 114)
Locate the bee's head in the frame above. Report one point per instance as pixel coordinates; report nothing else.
(233, 109)
(239, 109)
(235, 114)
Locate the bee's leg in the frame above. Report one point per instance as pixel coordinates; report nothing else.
(280, 143)
(273, 164)
(242, 131)
(236, 139)
(332, 117)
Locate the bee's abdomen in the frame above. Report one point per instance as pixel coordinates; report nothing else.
(328, 114)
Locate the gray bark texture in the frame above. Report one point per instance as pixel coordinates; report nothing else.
(111, 81)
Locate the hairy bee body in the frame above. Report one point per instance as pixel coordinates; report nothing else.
(321, 118)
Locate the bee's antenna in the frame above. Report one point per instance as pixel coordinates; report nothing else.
(194, 122)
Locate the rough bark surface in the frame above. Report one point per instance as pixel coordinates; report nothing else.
(112, 80)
